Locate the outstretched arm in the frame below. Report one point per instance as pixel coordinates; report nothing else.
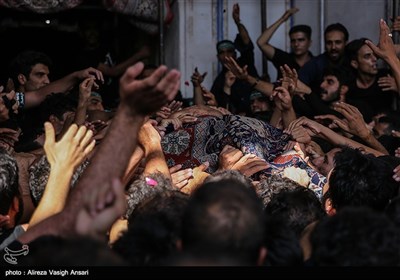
(263, 40)
(386, 50)
(64, 156)
(34, 98)
(244, 34)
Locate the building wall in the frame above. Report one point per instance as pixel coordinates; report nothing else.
(190, 40)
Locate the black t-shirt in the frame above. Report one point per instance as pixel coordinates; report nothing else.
(281, 58)
(372, 100)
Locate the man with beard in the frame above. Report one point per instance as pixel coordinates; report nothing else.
(333, 88)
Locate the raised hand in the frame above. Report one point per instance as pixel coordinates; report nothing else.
(197, 78)
(289, 13)
(73, 147)
(146, 96)
(385, 48)
(236, 13)
(239, 72)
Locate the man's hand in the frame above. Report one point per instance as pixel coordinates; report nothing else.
(236, 13)
(289, 13)
(90, 73)
(73, 147)
(146, 96)
(197, 78)
(101, 208)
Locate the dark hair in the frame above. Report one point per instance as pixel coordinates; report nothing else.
(356, 237)
(154, 227)
(337, 27)
(141, 190)
(341, 73)
(8, 181)
(24, 62)
(298, 207)
(224, 217)
(56, 104)
(301, 28)
(361, 180)
(353, 47)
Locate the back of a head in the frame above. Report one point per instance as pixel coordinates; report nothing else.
(146, 187)
(356, 237)
(337, 27)
(224, 217)
(361, 180)
(154, 227)
(56, 104)
(228, 174)
(8, 181)
(282, 244)
(270, 186)
(306, 29)
(298, 207)
(24, 61)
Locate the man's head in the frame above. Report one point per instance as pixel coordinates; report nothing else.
(361, 180)
(362, 58)
(95, 102)
(10, 198)
(325, 163)
(336, 37)
(225, 48)
(225, 217)
(334, 84)
(55, 108)
(30, 70)
(300, 39)
(259, 102)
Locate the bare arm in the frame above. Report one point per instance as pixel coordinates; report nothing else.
(150, 139)
(242, 74)
(34, 98)
(64, 156)
(139, 98)
(241, 28)
(317, 129)
(263, 41)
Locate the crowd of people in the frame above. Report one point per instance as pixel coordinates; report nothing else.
(303, 171)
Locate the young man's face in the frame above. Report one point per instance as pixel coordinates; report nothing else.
(335, 44)
(366, 62)
(330, 88)
(38, 78)
(299, 43)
